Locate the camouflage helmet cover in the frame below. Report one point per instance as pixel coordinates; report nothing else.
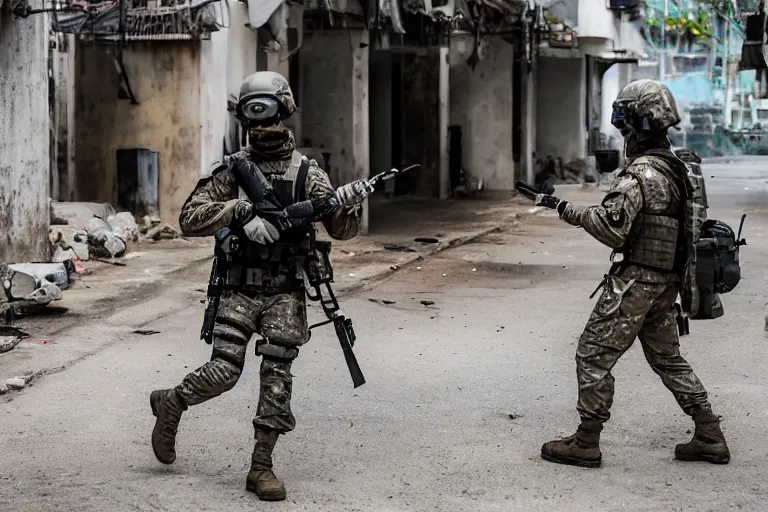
(645, 106)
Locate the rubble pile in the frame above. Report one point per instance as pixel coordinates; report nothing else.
(152, 228)
(79, 232)
(551, 171)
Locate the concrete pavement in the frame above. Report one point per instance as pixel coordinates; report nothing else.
(469, 371)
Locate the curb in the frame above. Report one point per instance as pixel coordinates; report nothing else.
(442, 246)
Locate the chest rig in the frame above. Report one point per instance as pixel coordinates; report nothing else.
(656, 241)
(273, 268)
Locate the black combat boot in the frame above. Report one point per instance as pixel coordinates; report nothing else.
(708, 443)
(167, 408)
(581, 449)
(261, 480)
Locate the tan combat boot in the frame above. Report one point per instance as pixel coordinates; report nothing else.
(581, 449)
(261, 480)
(167, 408)
(708, 443)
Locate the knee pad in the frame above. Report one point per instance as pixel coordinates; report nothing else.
(276, 352)
(230, 334)
(228, 364)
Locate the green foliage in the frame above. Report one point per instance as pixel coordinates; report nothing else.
(691, 22)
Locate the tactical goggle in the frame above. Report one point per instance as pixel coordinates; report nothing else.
(259, 109)
(619, 115)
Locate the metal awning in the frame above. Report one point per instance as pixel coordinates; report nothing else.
(617, 57)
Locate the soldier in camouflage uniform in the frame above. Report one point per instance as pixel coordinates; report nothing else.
(277, 311)
(643, 218)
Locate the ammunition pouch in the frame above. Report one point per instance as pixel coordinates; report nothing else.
(268, 270)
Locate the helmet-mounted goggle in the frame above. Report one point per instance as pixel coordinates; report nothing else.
(623, 116)
(259, 110)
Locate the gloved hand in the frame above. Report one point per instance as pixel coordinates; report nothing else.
(552, 202)
(261, 231)
(353, 193)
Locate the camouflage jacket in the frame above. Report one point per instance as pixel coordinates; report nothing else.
(218, 202)
(638, 193)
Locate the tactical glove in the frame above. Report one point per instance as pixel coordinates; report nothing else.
(353, 193)
(261, 231)
(555, 203)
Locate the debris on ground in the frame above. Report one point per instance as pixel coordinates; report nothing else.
(103, 242)
(29, 286)
(69, 243)
(111, 262)
(385, 302)
(77, 214)
(18, 383)
(10, 337)
(145, 332)
(426, 302)
(162, 231)
(55, 273)
(399, 248)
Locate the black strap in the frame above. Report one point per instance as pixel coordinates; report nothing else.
(301, 181)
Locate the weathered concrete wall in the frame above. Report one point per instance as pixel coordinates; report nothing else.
(166, 81)
(481, 102)
(63, 174)
(225, 60)
(213, 97)
(24, 139)
(560, 127)
(334, 74)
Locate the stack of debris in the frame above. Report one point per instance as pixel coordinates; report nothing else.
(152, 228)
(79, 232)
(551, 171)
(90, 230)
(29, 286)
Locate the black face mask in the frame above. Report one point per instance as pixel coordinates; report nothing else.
(271, 143)
(636, 144)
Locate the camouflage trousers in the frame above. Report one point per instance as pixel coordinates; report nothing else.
(646, 311)
(281, 320)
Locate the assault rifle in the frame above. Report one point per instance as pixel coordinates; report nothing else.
(317, 266)
(257, 188)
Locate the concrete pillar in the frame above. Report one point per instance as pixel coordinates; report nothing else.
(24, 139)
(361, 139)
(71, 125)
(529, 123)
(445, 119)
(381, 113)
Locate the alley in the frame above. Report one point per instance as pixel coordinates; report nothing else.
(469, 361)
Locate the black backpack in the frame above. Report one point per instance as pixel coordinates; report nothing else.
(717, 265)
